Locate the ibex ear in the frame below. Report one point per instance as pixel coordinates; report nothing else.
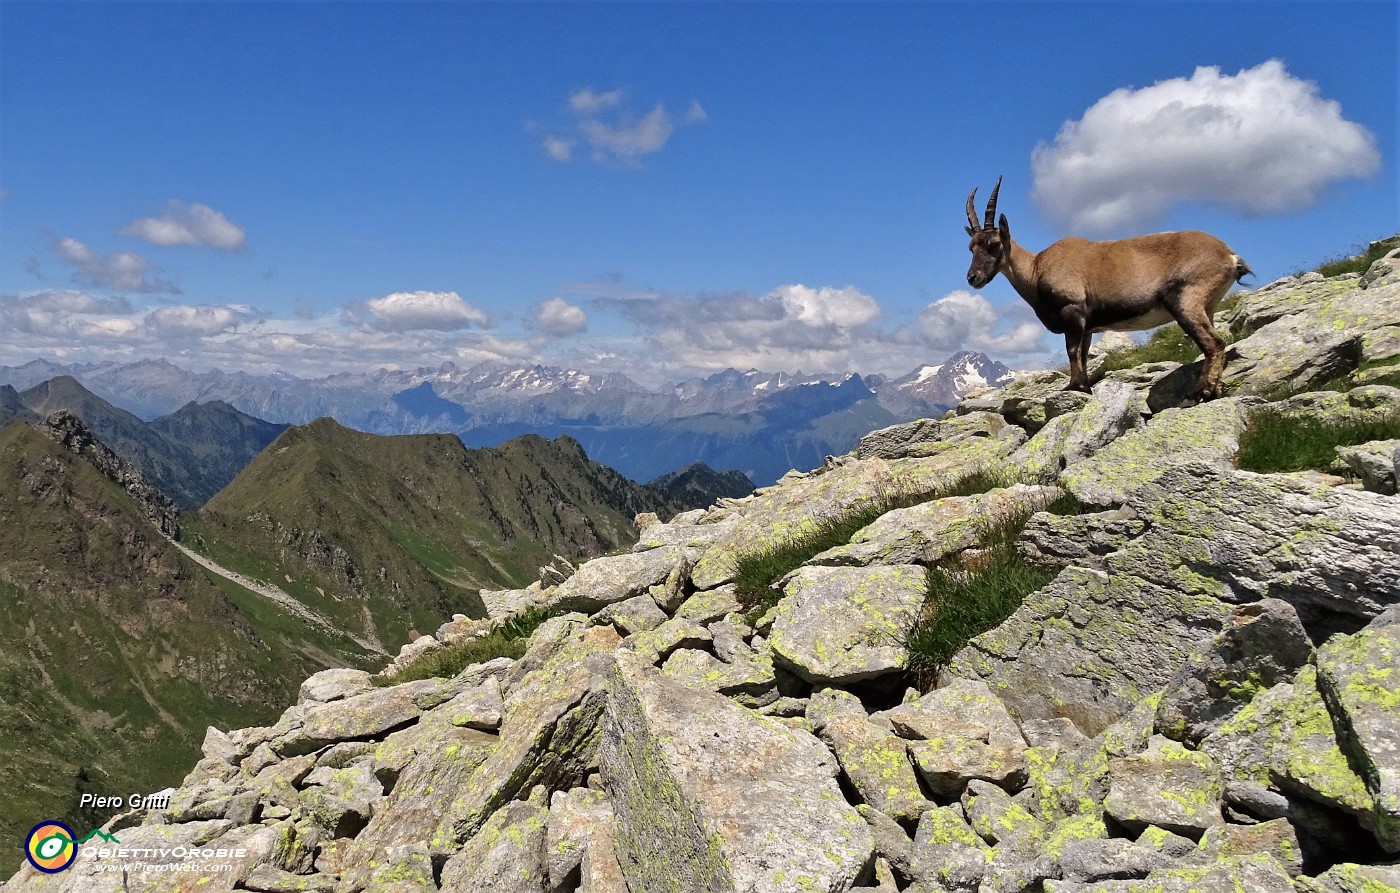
(1005, 231)
(970, 231)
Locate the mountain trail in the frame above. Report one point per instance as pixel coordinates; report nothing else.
(279, 596)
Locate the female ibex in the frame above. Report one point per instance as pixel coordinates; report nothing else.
(1077, 287)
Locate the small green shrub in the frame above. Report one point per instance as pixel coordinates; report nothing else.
(1277, 441)
(507, 640)
(962, 604)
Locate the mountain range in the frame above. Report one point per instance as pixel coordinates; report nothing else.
(760, 423)
(127, 627)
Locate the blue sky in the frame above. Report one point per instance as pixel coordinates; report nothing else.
(659, 189)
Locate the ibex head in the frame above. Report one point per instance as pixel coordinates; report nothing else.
(989, 243)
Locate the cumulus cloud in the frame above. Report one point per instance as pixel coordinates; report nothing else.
(124, 270)
(615, 135)
(1261, 141)
(65, 314)
(185, 321)
(188, 224)
(966, 321)
(558, 318)
(791, 327)
(405, 311)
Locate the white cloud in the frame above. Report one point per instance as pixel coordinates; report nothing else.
(64, 315)
(628, 140)
(966, 321)
(559, 318)
(184, 321)
(443, 311)
(826, 306)
(559, 149)
(587, 103)
(791, 327)
(188, 224)
(124, 270)
(614, 134)
(1261, 142)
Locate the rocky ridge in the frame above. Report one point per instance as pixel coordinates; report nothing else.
(1204, 698)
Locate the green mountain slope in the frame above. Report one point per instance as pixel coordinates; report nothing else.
(172, 466)
(117, 651)
(385, 534)
(189, 454)
(12, 407)
(222, 439)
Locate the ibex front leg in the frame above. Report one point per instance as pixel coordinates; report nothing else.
(1077, 346)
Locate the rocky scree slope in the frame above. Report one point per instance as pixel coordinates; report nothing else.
(1204, 698)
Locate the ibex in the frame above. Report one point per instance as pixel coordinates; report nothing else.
(1077, 287)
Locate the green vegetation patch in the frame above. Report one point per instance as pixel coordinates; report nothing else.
(757, 573)
(965, 601)
(1361, 261)
(1278, 441)
(509, 639)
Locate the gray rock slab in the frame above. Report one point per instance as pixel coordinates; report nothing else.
(1166, 786)
(876, 762)
(710, 796)
(435, 764)
(1208, 433)
(549, 732)
(633, 615)
(800, 507)
(603, 581)
(1359, 679)
(1093, 644)
(1263, 643)
(1374, 463)
(333, 685)
(751, 682)
(928, 532)
(928, 437)
(845, 624)
(507, 855)
(581, 838)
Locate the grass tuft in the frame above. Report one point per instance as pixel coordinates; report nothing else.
(1278, 441)
(507, 640)
(758, 572)
(964, 602)
(1361, 261)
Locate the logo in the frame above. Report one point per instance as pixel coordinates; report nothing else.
(50, 847)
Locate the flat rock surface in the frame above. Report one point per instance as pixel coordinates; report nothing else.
(710, 796)
(844, 624)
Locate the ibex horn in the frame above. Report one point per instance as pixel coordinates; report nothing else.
(992, 206)
(971, 210)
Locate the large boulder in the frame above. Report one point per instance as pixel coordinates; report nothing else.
(1359, 678)
(845, 624)
(1206, 433)
(708, 796)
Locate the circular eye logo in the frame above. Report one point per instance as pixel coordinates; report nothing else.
(49, 847)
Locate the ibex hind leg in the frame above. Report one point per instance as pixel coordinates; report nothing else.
(1192, 314)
